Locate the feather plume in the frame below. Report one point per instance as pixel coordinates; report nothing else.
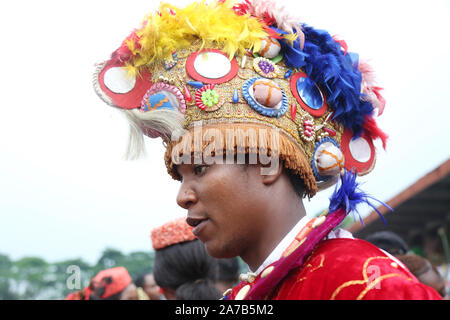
(271, 14)
(175, 28)
(373, 131)
(348, 196)
(335, 72)
(342, 43)
(370, 91)
(156, 123)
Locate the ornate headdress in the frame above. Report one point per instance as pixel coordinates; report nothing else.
(245, 68)
(248, 66)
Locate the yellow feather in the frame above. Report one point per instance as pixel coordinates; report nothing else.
(212, 23)
(291, 37)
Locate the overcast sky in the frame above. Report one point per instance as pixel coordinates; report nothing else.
(65, 190)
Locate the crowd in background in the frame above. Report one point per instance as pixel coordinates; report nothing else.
(182, 270)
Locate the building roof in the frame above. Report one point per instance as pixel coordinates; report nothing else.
(422, 207)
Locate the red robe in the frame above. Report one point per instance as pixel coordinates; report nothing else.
(346, 269)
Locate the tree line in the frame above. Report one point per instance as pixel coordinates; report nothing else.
(34, 278)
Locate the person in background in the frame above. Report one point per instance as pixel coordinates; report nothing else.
(108, 284)
(424, 271)
(182, 268)
(227, 273)
(420, 267)
(113, 284)
(258, 110)
(148, 284)
(388, 241)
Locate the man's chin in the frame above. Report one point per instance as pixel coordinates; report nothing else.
(218, 251)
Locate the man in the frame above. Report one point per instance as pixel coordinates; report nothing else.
(109, 284)
(182, 268)
(420, 267)
(258, 111)
(147, 283)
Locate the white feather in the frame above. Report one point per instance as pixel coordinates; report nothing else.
(156, 123)
(285, 21)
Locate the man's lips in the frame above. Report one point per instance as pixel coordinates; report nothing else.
(197, 223)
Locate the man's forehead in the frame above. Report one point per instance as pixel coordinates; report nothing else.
(149, 277)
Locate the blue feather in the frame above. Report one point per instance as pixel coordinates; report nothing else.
(348, 196)
(336, 73)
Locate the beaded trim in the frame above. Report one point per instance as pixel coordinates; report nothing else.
(307, 129)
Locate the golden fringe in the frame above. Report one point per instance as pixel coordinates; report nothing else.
(242, 138)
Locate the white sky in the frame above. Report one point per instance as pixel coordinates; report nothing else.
(65, 190)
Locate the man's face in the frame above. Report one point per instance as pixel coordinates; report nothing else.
(223, 203)
(129, 293)
(151, 288)
(433, 279)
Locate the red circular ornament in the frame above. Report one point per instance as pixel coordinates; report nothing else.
(131, 99)
(362, 163)
(314, 112)
(190, 69)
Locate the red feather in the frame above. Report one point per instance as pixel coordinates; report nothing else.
(268, 19)
(123, 53)
(242, 8)
(272, 33)
(376, 91)
(373, 131)
(342, 43)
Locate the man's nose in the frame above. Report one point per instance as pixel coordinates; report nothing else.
(186, 196)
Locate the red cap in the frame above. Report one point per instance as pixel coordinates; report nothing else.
(120, 279)
(173, 232)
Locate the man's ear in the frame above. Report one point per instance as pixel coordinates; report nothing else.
(271, 172)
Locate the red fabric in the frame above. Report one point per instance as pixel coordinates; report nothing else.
(79, 295)
(120, 280)
(348, 269)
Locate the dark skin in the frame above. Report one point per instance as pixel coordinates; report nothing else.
(433, 279)
(129, 293)
(151, 288)
(236, 211)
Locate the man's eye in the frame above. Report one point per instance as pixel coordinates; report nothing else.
(199, 170)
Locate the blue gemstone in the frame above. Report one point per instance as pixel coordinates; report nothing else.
(309, 93)
(288, 74)
(195, 84)
(235, 96)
